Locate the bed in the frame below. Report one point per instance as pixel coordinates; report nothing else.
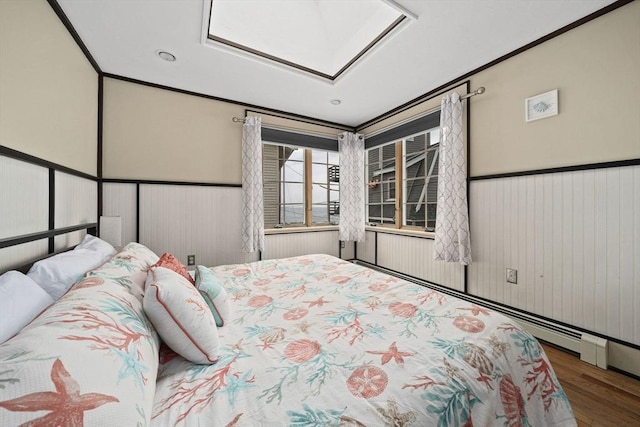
(306, 341)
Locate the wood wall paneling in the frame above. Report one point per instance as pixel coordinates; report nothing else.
(414, 256)
(24, 198)
(76, 199)
(119, 199)
(186, 220)
(573, 237)
(293, 244)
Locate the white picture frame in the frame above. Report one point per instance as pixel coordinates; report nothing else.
(541, 106)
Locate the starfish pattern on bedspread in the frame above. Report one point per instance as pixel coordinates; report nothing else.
(66, 404)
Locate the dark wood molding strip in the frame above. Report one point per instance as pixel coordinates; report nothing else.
(153, 182)
(18, 155)
(138, 212)
(52, 207)
(26, 238)
(99, 142)
(603, 165)
(266, 110)
(72, 31)
(458, 80)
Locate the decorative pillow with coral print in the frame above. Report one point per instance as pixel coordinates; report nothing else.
(181, 316)
(128, 267)
(213, 293)
(172, 263)
(90, 359)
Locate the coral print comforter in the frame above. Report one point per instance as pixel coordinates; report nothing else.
(317, 341)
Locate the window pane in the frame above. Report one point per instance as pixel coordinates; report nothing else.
(319, 173)
(431, 217)
(418, 162)
(333, 158)
(381, 175)
(292, 214)
(284, 185)
(415, 145)
(388, 213)
(414, 190)
(292, 193)
(415, 214)
(296, 154)
(293, 171)
(320, 214)
(318, 156)
(320, 193)
(434, 136)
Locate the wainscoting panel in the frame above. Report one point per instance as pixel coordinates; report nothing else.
(574, 238)
(414, 256)
(24, 197)
(119, 199)
(199, 220)
(348, 252)
(367, 250)
(24, 202)
(76, 202)
(294, 244)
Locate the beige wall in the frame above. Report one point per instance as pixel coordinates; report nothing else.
(157, 134)
(48, 89)
(596, 69)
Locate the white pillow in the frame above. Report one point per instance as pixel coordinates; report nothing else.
(95, 244)
(21, 301)
(180, 315)
(56, 274)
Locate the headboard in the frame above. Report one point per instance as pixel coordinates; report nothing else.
(91, 228)
(45, 208)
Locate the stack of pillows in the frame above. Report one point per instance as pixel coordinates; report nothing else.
(185, 311)
(24, 297)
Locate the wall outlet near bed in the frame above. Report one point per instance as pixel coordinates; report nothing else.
(512, 276)
(191, 260)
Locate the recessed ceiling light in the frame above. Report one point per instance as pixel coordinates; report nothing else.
(166, 55)
(335, 102)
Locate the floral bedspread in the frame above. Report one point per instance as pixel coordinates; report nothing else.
(317, 341)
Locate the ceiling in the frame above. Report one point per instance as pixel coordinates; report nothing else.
(448, 39)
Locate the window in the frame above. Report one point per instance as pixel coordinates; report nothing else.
(301, 186)
(406, 166)
(420, 179)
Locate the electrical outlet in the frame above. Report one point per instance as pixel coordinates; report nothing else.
(512, 275)
(191, 260)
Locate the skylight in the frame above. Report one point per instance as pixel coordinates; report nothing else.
(323, 37)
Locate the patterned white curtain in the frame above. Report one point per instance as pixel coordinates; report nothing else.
(452, 241)
(351, 149)
(252, 214)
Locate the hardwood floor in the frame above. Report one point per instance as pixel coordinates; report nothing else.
(599, 397)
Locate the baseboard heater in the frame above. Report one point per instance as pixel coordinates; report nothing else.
(594, 350)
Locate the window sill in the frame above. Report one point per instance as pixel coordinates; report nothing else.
(301, 229)
(401, 231)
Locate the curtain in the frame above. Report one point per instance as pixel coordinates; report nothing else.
(351, 150)
(452, 240)
(252, 214)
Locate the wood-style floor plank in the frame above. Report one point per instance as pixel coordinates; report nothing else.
(598, 397)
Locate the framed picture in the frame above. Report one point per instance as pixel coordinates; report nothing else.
(541, 106)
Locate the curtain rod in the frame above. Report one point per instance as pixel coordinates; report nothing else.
(478, 91)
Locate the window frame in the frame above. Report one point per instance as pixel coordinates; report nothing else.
(398, 136)
(307, 183)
